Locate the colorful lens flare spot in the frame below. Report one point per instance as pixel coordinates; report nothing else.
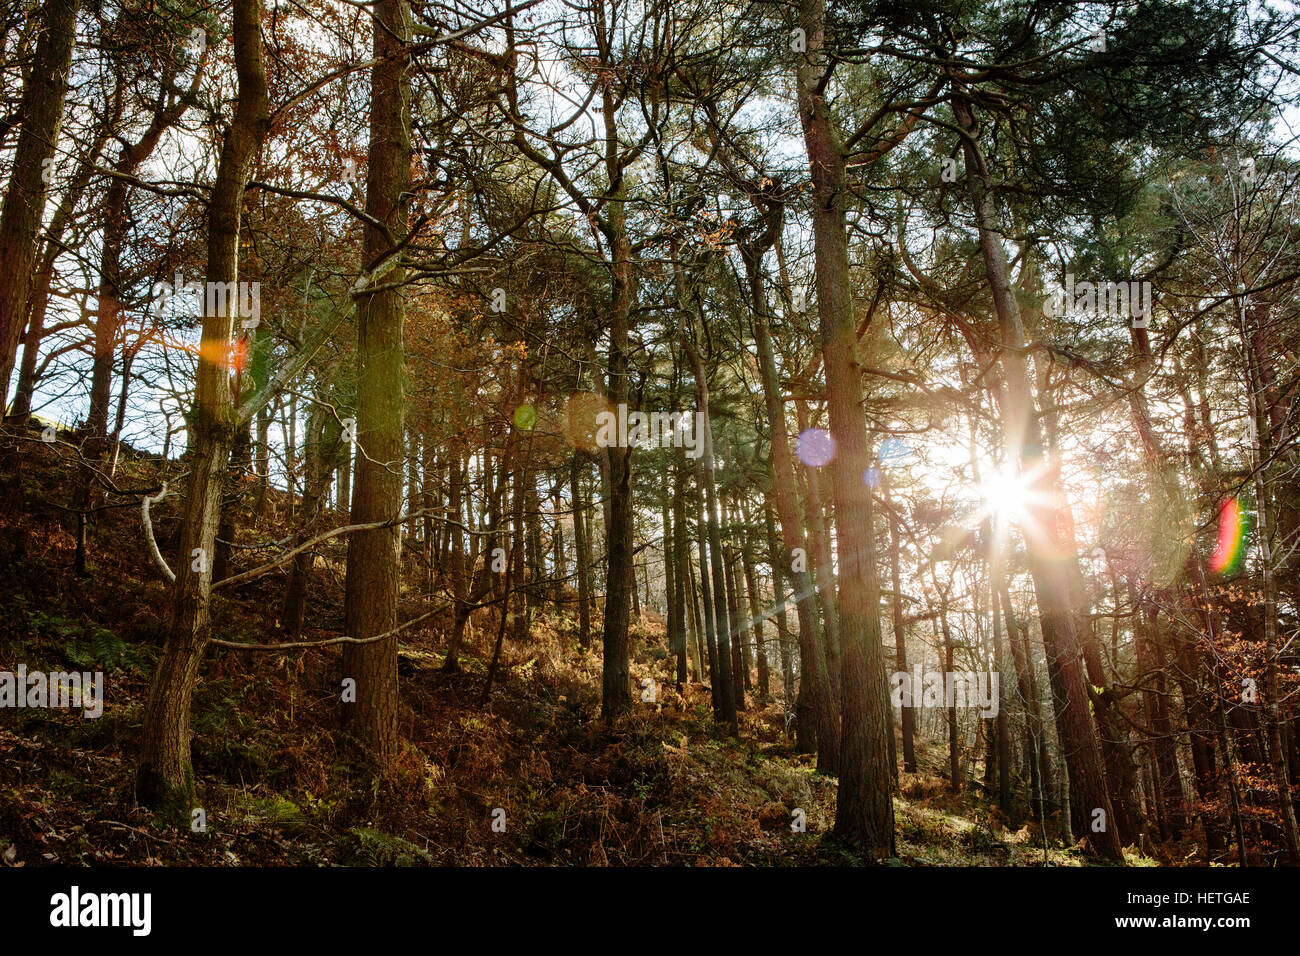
(815, 447)
(525, 417)
(871, 477)
(1232, 538)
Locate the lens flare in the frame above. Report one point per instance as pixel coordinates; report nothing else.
(239, 355)
(1232, 538)
(1005, 494)
(525, 417)
(815, 447)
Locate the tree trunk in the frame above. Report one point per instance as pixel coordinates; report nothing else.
(742, 656)
(693, 619)
(344, 503)
(514, 562)
(908, 717)
(815, 719)
(954, 746)
(582, 552)
(374, 556)
(706, 591)
(228, 526)
(823, 571)
(782, 624)
(430, 479)
(736, 633)
(755, 617)
(676, 558)
(561, 557)
(1167, 788)
(262, 461)
(535, 558)
(40, 115)
(322, 457)
(1002, 725)
(165, 778)
(665, 548)
(616, 691)
(460, 570)
(864, 811)
(1035, 743)
(724, 682)
(119, 420)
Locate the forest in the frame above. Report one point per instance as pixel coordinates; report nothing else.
(649, 433)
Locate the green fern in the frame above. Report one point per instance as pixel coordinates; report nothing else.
(109, 648)
(102, 649)
(384, 849)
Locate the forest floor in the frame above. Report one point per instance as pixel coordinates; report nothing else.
(664, 786)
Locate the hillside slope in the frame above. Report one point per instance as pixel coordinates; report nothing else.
(530, 776)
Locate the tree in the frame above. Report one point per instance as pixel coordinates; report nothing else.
(374, 558)
(164, 776)
(40, 115)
